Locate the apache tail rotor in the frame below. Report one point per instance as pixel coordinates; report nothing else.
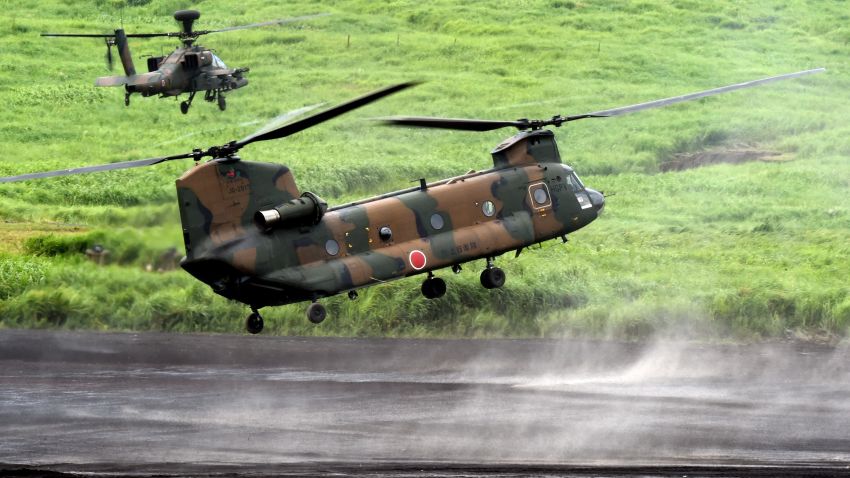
(109, 43)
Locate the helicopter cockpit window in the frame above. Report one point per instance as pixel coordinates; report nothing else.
(216, 61)
(575, 183)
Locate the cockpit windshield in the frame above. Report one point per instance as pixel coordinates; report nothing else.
(575, 182)
(216, 61)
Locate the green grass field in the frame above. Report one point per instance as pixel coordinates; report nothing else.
(747, 251)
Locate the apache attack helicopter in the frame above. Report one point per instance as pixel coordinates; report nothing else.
(188, 69)
(254, 237)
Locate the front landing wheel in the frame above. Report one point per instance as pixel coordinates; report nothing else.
(492, 278)
(316, 313)
(254, 323)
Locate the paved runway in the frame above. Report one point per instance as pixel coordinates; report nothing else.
(195, 405)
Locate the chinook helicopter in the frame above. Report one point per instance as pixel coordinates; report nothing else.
(254, 237)
(188, 69)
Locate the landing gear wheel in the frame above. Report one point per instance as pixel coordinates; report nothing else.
(433, 288)
(492, 278)
(184, 107)
(222, 103)
(254, 323)
(316, 313)
(127, 99)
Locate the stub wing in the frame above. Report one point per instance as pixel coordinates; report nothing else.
(220, 72)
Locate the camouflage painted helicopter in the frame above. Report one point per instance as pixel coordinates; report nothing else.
(254, 237)
(188, 69)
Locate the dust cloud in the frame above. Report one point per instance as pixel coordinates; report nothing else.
(156, 398)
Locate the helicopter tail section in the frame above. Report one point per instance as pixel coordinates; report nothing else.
(124, 52)
(218, 202)
(111, 81)
(126, 62)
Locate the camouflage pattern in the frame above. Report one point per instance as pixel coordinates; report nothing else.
(528, 197)
(185, 70)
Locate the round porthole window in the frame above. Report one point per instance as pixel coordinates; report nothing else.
(488, 208)
(385, 233)
(540, 196)
(332, 247)
(437, 221)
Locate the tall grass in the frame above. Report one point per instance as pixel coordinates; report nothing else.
(750, 251)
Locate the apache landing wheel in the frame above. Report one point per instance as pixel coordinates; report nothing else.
(316, 313)
(433, 288)
(222, 103)
(492, 278)
(254, 323)
(184, 107)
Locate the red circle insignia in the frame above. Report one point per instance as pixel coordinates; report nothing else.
(417, 259)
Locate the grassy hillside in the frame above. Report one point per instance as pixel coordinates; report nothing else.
(756, 249)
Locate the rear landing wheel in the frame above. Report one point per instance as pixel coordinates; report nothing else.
(316, 313)
(492, 278)
(184, 107)
(254, 323)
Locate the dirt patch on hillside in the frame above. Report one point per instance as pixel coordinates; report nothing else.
(735, 155)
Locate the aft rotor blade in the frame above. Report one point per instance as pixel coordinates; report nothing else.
(451, 123)
(268, 23)
(110, 35)
(94, 169)
(691, 96)
(84, 35)
(283, 118)
(323, 116)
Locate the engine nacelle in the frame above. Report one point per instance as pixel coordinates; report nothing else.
(305, 211)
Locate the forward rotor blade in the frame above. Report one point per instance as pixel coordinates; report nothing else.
(323, 116)
(268, 23)
(94, 169)
(691, 96)
(450, 123)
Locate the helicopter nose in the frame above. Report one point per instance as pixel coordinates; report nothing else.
(597, 199)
